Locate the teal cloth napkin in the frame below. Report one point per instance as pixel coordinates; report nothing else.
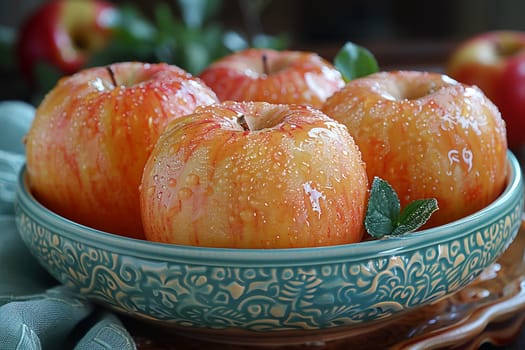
(36, 312)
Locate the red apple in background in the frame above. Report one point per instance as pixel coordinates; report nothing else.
(429, 136)
(495, 62)
(273, 76)
(63, 34)
(254, 175)
(93, 133)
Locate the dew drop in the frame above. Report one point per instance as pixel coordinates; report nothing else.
(185, 193)
(175, 208)
(247, 215)
(151, 191)
(192, 180)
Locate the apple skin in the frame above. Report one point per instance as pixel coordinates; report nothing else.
(292, 77)
(64, 34)
(429, 136)
(276, 184)
(495, 62)
(90, 139)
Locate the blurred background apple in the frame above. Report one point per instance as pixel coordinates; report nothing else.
(495, 62)
(192, 33)
(63, 34)
(273, 76)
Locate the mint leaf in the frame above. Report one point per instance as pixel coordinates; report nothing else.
(354, 61)
(415, 215)
(383, 209)
(384, 216)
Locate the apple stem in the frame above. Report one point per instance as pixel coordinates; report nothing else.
(242, 122)
(266, 68)
(111, 75)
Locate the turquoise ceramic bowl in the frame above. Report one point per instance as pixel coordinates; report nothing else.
(269, 293)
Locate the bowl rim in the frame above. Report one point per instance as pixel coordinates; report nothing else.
(167, 252)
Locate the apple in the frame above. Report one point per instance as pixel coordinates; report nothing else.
(254, 175)
(273, 76)
(64, 34)
(495, 62)
(429, 136)
(93, 133)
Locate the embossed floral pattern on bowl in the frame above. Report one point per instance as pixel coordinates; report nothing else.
(271, 290)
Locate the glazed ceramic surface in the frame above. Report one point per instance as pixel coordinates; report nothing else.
(261, 291)
(488, 310)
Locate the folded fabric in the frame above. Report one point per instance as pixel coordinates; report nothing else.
(41, 321)
(15, 118)
(38, 313)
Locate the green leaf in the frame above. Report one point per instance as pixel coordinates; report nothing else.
(131, 26)
(234, 41)
(354, 61)
(383, 209)
(415, 215)
(47, 75)
(195, 57)
(278, 42)
(195, 12)
(384, 217)
(7, 47)
(164, 19)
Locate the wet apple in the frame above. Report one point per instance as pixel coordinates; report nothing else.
(297, 77)
(93, 133)
(254, 175)
(429, 136)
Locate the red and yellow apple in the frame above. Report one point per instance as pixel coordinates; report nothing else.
(64, 34)
(273, 76)
(93, 133)
(254, 175)
(429, 136)
(495, 62)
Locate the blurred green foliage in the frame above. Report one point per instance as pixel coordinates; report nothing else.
(355, 61)
(190, 38)
(191, 41)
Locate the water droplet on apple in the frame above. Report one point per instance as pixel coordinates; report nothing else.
(247, 215)
(150, 191)
(192, 180)
(175, 208)
(185, 193)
